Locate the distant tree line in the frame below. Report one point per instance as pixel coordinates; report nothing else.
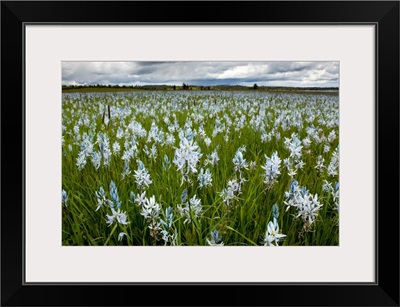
(186, 86)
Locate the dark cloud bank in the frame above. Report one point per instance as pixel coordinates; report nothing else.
(288, 74)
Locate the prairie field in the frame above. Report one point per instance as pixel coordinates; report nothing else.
(200, 168)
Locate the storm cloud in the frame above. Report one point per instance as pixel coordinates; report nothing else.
(296, 74)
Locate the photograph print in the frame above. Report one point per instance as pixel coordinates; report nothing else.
(200, 153)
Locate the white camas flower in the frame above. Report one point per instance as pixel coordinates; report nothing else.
(333, 167)
(215, 240)
(166, 163)
(306, 204)
(306, 142)
(193, 205)
(167, 233)
(76, 129)
(309, 208)
(142, 177)
(292, 172)
(333, 190)
(141, 199)
(150, 208)
(294, 146)
(204, 178)
(116, 148)
(320, 164)
(231, 192)
(64, 197)
(170, 139)
(121, 235)
(120, 133)
(272, 235)
(153, 151)
(271, 168)
(101, 198)
(117, 216)
(327, 186)
(335, 193)
(114, 202)
(96, 159)
(126, 170)
(300, 164)
(213, 158)
(291, 168)
(239, 161)
(186, 157)
(331, 136)
(104, 148)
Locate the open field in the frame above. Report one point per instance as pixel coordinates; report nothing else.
(200, 168)
(283, 90)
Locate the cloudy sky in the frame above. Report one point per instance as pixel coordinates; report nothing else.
(297, 74)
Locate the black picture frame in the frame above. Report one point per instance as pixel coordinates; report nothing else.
(383, 14)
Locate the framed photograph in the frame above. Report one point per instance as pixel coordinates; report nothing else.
(200, 153)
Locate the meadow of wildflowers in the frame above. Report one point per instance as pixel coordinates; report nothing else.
(212, 168)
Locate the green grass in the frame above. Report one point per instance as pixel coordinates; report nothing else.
(243, 222)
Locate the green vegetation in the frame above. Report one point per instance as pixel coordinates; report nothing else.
(187, 87)
(111, 140)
